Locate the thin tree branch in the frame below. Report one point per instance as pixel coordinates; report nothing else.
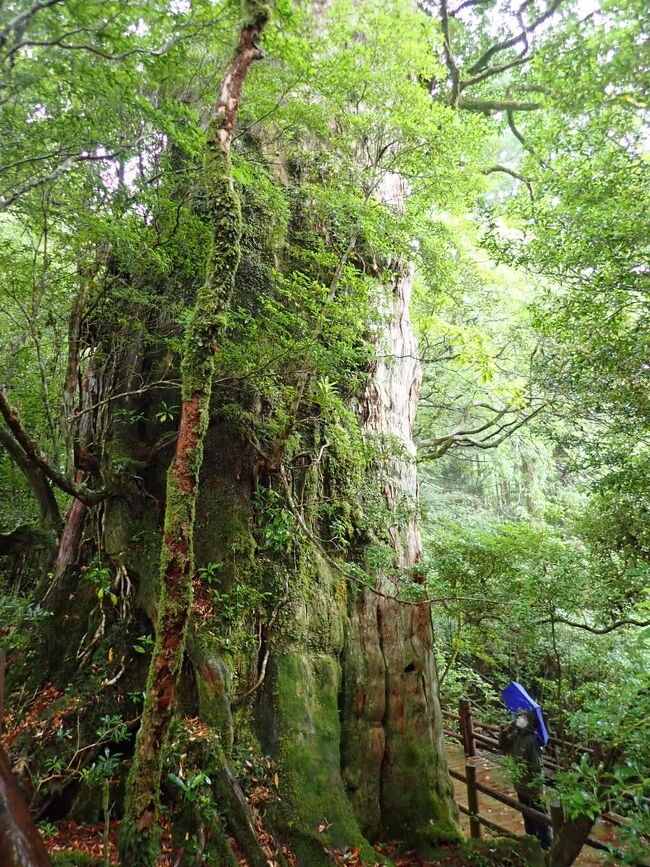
(513, 174)
(20, 21)
(366, 585)
(7, 201)
(466, 5)
(597, 630)
(162, 383)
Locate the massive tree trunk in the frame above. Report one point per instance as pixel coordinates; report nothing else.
(349, 707)
(393, 725)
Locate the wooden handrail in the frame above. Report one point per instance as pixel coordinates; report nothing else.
(450, 715)
(505, 799)
(473, 787)
(454, 735)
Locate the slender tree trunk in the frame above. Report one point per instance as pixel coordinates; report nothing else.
(569, 842)
(140, 836)
(50, 516)
(573, 834)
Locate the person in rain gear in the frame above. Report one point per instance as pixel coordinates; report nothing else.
(518, 740)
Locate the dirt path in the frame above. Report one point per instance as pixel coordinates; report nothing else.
(488, 772)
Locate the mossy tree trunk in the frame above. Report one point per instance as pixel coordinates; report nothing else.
(140, 834)
(349, 708)
(393, 753)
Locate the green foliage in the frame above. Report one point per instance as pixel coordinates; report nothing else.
(101, 578)
(20, 615)
(277, 522)
(195, 789)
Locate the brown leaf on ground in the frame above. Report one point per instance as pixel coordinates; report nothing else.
(15, 726)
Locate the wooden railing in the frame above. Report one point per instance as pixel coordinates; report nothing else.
(469, 732)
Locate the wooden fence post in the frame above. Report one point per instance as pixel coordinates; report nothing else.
(467, 728)
(557, 818)
(472, 800)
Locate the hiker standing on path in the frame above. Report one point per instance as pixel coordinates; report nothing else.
(518, 740)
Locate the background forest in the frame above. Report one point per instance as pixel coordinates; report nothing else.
(433, 207)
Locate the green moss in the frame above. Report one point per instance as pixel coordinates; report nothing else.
(311, 788)
(212, 678)
(417, 812)
(228, 542)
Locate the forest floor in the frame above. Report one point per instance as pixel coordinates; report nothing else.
(71, 837)
(67, 836)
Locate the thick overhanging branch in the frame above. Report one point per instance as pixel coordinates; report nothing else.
(491, 71)
(481, 70)
(449, 57)
(49, 508)
(512, 41)
(39, 459)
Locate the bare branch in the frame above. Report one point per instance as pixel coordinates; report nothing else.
(161, 383)
(513, 174)
(522, 141)
(66, 165)
(492, 70)
(594, 629)
(449, 58)
(466, 439)
(20, 21)
(466, 5)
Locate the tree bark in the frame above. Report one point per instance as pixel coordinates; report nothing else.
(20, 842)
(140, 836)
(570, 841)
